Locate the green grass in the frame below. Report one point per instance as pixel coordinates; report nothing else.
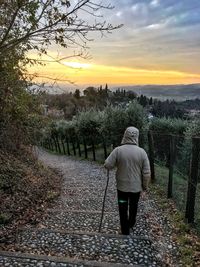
(179, 185)
(182, 233)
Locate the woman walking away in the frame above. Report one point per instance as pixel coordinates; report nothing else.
(132, 176)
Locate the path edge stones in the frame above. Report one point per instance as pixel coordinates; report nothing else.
(62, 260)
(80, 233)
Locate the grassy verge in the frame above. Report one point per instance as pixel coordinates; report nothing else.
(186, 236)
(179, 185)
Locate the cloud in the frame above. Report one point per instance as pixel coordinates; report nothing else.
(155, 3)
(119, 14)
(140, 8)
(156, 26)
(141, 13)
(157, 34)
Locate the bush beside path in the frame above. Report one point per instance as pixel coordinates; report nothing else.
(67, 235)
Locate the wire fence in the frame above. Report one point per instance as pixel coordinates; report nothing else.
(177, 167)
(174, 160)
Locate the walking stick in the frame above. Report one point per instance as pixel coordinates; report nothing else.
(104, 199)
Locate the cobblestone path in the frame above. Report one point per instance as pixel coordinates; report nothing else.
(68, 234)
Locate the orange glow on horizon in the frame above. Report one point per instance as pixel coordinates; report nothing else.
(82, 73)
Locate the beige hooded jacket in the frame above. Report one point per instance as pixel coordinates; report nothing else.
(133, 168)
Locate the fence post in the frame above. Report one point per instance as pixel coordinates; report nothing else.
(55, 143)
(105, 149)
(73, 146)
(192, 181)
(58, 144)
(79, 147)
(172, 152)
(93, 150)
(85, 148)
(51, 144)
(44, 144)
(68, 150)
(151, 155)
(63, 146)
(47, 143)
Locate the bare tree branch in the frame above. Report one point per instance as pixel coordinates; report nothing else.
(52, 20)
(36, 75)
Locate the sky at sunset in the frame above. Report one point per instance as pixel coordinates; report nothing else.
(158, 44)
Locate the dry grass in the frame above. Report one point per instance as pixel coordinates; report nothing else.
(26, 187)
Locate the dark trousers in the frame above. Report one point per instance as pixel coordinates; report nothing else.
(128, 204)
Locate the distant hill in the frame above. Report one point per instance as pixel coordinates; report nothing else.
(177, 92)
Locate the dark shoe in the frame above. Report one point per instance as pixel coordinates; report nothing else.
(125, 233)
(133, 223)
(120, 233)
(132, 229)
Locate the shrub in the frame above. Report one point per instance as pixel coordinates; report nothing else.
(193, 130)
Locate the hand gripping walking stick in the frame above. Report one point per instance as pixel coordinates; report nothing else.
(104, 199)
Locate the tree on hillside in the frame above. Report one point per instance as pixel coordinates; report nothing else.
(77, 94)
(167, 109)
(151, 101)
(90, 92)
(143, 100)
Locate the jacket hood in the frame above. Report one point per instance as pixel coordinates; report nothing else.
(131, 136)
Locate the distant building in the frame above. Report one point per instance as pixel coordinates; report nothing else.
(193, 113)
(45, 109)
(55, 113)
(150, 116)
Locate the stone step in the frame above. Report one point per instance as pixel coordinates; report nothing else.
(90, 184)
(143, 206)
(94, 203)
(89, 203)
(13, 259)
(88, 181)
(57, 210)
(89, 222)
(84, 192)
(89, 246)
